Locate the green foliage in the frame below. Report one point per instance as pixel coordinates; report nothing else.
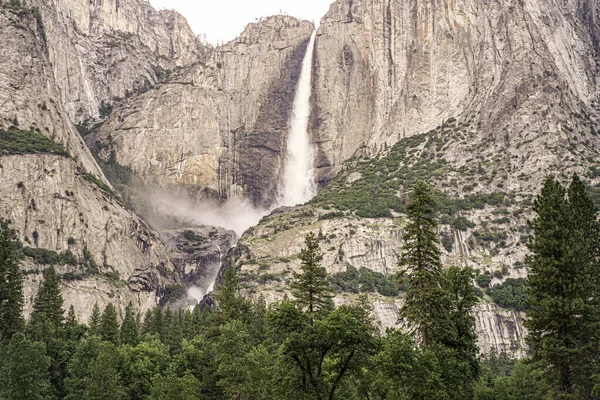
(484, 279)
(94, 322)
(310, 287)
(122, 178)
(11, 286)
(564, 306)
(97, 181)
(109, 325)
(231, 304)
(105, 109)
(421, 260)
(48, 304)
(172, 292)
(364, 280)
(129, 333)
(16, 141)
(509, 294)
(462, 224)
(503, 378)
(24, 369)
(48, 257)
(373, 187)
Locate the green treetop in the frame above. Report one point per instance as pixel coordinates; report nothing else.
(48, 304)
(424, 306)
(109, 325)
(311, 287)
(11, 286)
(564, 290)
(129, 329)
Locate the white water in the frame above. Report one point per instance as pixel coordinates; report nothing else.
(298, 178)
(298, 181)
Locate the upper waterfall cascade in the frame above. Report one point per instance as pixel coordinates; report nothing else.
(298, 185)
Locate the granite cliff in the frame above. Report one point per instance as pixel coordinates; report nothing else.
(481, 99)
(61, 205)
(217, 128)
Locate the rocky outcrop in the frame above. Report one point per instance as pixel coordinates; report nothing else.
(267, 255)
(101, 50)
(197, 254)
(63, 203)
(517, 70)
(217, 128)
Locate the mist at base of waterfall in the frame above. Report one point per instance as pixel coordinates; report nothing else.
(235, 214)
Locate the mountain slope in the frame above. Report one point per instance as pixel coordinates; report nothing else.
(55, 195)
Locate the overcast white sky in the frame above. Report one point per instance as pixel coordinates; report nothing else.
(224, 20)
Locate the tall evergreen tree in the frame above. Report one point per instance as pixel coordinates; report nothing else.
(109, 325)
(94, 321)
(48, 304)
(229, 301)
(11, 286)
(424, 306)
(564, 292)
(146, 327)
(129, 329)
(311, 287)
(24, 370)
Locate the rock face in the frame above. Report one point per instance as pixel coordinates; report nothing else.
(217, 128)
(106, 49)
(267, 255)
(517, 69)
(56, 202)
(198, 254)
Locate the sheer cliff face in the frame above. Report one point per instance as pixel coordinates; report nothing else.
(106, 49)
(216, 128)
(389, 69)
(49, 199)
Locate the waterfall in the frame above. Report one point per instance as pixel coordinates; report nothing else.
(298, 184)
(298, 180)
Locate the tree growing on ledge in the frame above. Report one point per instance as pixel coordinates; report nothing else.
(424, 306)
(311, 286)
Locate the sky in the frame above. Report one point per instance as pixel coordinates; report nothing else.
(224, 20)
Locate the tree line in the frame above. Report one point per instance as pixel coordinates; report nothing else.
(306, 347)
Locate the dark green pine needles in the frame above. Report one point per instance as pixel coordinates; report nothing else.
(564, 289)
(311, 287)
(421, 260)
(11, 286)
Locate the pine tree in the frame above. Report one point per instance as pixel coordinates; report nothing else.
(94, 321)
(11, 286)
(423, 309)
(109, 325)
(48, 304)
(24, 370)
(311, 286)
(129, 329)
(230, 303)
(564, 292)
(146, 327)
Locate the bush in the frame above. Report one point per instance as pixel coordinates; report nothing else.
(364, 280)
(15, 141)
(462, 224)
(172, 292)
(510, 294)
(49, 257)
(484, 280)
